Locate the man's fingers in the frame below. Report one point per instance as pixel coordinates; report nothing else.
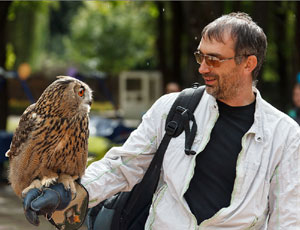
(30, 196)
(32, 217)
(47, 201)
(65, 195)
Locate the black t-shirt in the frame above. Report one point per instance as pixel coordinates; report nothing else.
(212, 184)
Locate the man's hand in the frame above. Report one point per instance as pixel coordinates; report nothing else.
(45, 202)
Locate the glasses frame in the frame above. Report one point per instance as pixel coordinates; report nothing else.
(209, 58)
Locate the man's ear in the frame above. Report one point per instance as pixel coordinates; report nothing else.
(251, 63)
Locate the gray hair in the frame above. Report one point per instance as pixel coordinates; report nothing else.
(248, 36)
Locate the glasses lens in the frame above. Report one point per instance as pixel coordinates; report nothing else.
(212, 61)
(209, 60)
(199, 57)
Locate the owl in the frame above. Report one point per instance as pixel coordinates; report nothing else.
(51, 141)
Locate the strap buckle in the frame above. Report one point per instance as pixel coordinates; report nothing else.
(181, 109)
(195, 85)
(171, 128)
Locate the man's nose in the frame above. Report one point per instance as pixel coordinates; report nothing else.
(204, 68)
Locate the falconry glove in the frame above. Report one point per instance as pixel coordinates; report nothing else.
(57, 205)
(45, 202)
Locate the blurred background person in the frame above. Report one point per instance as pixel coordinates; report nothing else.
(172, 87)
(295, 112)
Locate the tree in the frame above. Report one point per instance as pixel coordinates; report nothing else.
(116, 36)
(297, 36)
(60, 19)
(177, 34)
(169, 40)
(280, 18)
(260, 15)
(4, 7)
(160, 41)
(196, 16)
(28, 31)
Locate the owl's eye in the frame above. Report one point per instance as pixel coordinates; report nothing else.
(81, 92)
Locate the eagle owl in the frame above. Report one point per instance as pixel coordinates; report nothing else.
(51, 141)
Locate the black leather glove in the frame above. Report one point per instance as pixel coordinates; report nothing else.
(45, 202)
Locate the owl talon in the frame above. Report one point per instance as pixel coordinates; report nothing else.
(34, 184)
(68, 183)
(47, 181)
(25, 191)
(73, 189)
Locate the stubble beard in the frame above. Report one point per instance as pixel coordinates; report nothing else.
(226, 88)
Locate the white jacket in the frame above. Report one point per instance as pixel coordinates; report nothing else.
(266, 193)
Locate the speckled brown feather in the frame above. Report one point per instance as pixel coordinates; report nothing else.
(26, 126)
(52, 136)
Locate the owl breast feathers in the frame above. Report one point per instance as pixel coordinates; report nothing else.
(51, 141)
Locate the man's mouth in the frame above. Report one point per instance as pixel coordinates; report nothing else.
(209, 80)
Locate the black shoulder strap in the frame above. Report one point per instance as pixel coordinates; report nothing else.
(180, 112)
(188, 99)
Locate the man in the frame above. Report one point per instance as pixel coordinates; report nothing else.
(245, 174)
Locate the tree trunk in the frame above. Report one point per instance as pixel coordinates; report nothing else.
(297, 39)
(236, 6)
(196, 16)
(4, 6)
(280, 41)
(176, 42)
(260, 16)
(160, 42)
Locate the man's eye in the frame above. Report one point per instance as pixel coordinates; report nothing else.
(212, 58)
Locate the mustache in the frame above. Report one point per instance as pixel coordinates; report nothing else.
(210, 75)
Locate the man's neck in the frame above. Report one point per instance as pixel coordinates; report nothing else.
(244, 97)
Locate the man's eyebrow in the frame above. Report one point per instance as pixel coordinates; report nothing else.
(211, 54)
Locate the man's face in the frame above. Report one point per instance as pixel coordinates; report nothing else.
(225, 81)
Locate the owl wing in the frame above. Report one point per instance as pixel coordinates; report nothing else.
(25, 127)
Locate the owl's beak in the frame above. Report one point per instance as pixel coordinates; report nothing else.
(89, 103)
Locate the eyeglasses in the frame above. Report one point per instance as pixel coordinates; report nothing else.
(212, 61)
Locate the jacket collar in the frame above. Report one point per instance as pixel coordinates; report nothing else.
(257, 127)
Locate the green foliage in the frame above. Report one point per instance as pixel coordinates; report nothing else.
(10, 57)
(60, 18)
(270, 74)
(18, 106)
(112, 36)
(27, 32)
(98, 146)
(286, 46)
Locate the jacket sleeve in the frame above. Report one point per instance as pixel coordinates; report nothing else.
(123, 167)
(284, 197)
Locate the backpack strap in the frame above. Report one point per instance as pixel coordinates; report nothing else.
(141, 195)
(181, 115)
(180, 112)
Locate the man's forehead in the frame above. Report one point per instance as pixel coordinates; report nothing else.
(222, 37)
(216, 44)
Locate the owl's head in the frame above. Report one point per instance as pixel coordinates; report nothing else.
(66, 97)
